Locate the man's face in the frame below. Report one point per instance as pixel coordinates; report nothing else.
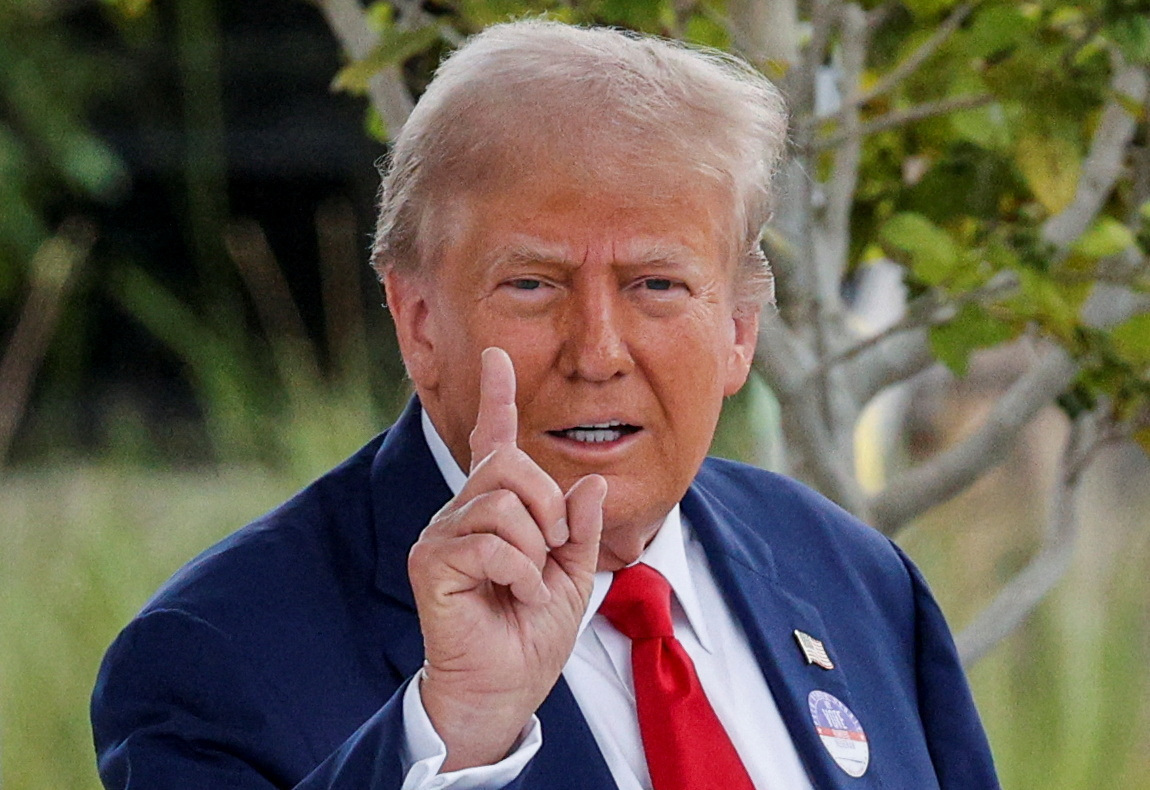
(617, 310)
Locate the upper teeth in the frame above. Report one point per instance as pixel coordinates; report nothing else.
(594, 435)
(598, 425)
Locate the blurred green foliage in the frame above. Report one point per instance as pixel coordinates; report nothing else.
(48, 83)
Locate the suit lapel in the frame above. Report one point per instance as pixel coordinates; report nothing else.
(744, 568)
(570, 759)
(406, 491)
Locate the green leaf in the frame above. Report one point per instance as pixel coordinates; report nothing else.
(973, 328)
(1132, 35)
(394, 47)
(1142, 437)
(996, 29)
(92, 166)
(1132, 339)
(374, 125)
(1106, 237)
(484, 13)
(1052, 304)
(929, 8)
(984, 126)
(380, 15)
(706, 31)
(1077, 400)
(1133, 107)
(639, 14)
(931, 253)
(1050, 163)
(987, 126)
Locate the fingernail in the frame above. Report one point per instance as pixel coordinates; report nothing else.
(603, 498)
(560, 533)
(544, 594)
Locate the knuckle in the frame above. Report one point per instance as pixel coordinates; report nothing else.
(504, 503)
(420, 555)
(488, 547)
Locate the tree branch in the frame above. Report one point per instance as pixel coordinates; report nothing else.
(921, 312)
(1018, 598)
(386, 89)
(907, 115)
(781, 356)
(833, 233)
(949, 472)
(897, 359)
(791, 230)
(910, 64)
(1104, 163)
(783, 361)
(877, 16)
(802, 89)
(763, 31)
(901, 350)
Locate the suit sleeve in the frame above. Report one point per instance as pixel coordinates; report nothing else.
(176, 707)
(955, 737)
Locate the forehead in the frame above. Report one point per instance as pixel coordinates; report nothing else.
(630, 215)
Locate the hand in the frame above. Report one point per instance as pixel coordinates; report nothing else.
(502, 576)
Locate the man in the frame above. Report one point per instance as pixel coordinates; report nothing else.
(568, 238)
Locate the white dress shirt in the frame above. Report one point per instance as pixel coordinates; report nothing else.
(599, 675)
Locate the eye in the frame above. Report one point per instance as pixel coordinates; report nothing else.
(526, 294)
(662, 285)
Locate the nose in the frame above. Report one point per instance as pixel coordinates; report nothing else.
(595, 346)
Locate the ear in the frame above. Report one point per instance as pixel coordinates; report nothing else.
(742, 354)
(408, 295)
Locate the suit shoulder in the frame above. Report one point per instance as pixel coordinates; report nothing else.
(317, 528)
(794, 517)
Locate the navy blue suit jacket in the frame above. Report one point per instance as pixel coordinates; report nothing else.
(277, 659)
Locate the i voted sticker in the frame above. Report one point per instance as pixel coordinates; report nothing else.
(840, 732)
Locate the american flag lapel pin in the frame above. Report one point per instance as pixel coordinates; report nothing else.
(814, 651)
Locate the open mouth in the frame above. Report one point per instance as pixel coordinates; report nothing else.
(597, 433)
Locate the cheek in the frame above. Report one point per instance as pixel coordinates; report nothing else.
(532, 347)
(693, 376)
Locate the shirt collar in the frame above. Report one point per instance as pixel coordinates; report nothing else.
(666, 553)
(450, 470)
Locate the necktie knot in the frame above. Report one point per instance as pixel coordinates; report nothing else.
(639, 603)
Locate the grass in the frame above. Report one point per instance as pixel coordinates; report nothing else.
(1065, 699)
(83, 548)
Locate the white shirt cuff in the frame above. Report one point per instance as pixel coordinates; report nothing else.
(425, 751)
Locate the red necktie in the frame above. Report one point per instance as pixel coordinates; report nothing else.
(686, 745)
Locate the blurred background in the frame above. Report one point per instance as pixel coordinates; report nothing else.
(189, 332)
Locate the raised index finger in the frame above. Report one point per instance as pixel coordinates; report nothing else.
(497, 423)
